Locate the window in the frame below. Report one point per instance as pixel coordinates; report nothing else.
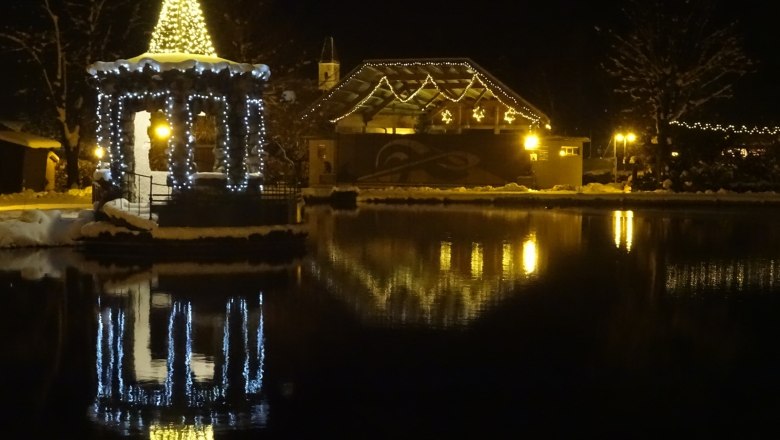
(570, 151)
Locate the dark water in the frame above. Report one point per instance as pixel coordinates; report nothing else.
(409, 322)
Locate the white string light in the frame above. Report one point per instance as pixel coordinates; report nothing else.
(741, 129)
(494, 89)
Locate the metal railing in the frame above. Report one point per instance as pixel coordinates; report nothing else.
(158, 194)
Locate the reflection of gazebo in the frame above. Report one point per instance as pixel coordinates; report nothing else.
(181, 76)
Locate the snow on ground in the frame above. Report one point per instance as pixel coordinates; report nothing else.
(32, 219)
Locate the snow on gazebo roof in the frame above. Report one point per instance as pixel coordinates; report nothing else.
(180, 41)
(162, 62)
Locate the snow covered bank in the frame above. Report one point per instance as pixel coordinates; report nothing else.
(43, 228)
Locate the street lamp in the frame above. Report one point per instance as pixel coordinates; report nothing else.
(625, 138)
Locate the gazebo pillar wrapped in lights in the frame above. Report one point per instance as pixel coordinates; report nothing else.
(182, 76)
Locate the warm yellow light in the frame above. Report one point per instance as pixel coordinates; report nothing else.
(445, 256)
(562, 153)
(627, 137)
(623, 227)
(510, 115)
(99, 152)
(162, 131)
(675, 153)
(446, 116)
(531, 142)
(181, 432)
(530, 255)
(478, 113)
(181, 29)
(477, 260)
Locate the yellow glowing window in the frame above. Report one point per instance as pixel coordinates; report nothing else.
(570, 151)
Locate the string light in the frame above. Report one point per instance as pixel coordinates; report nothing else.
(742, 129)
(478, 113)
(496, 91)
(510, 116)
(181, 29)
(446, 117)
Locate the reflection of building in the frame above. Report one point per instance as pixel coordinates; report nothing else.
(160, 359)
(445, 271)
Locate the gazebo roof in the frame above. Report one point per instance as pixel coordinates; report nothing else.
(162, 62)
(415, 86)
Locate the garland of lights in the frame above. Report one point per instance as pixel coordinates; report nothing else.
(743, 129)
(486, 83)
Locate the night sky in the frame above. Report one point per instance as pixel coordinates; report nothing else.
(547, 51)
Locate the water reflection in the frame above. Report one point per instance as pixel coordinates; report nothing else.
(482, 256)
(175, 363)
(624, 229)
(410, 307)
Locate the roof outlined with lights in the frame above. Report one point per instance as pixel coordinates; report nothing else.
(417, 86)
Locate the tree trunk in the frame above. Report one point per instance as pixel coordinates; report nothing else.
(72, 166)
(662, 151)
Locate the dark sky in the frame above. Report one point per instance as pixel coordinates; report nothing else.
(548, 51)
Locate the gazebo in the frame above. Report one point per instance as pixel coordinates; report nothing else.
(181, 77)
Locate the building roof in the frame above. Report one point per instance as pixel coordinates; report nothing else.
(416, 86)
(28, 140)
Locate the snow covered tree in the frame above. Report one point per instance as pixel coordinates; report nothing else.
(54, 41)
(673, 58)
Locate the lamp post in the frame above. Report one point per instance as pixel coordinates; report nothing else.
(625, 138)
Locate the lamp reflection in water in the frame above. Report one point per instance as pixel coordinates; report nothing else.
(530, 254)
(624, 228)
(445, 256)
(141, 385)
(477, 260)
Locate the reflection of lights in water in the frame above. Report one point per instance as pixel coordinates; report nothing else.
(530, 254)
(723, 276)
(477, 260)
(445, 255)
(183, 432)
(624, 228)
(231, 400)
(506, 260)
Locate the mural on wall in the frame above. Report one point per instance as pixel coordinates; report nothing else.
(431, 159)
(400, 158)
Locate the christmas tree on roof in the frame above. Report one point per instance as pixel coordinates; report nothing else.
(181, 29)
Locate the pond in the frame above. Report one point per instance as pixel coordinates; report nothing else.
(424, 321)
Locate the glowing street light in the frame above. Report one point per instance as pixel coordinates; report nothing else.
(625, 138)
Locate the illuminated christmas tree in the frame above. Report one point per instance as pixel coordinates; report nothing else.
(181, 29)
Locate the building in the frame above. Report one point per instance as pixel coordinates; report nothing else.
(27, 161)
(432, 121)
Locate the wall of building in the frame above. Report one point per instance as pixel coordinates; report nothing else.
(479, 158)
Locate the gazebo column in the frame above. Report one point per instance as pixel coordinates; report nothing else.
(255, 136)
(179, 160)
(236, 145)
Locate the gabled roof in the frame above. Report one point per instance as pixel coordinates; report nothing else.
(414, 86)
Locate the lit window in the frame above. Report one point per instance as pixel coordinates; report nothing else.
(570, 151)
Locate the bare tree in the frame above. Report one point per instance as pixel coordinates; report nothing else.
(257, 32)
(672, 59)
(57, 41)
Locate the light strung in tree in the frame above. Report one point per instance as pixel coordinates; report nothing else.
(181, 29)
(742, 129)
